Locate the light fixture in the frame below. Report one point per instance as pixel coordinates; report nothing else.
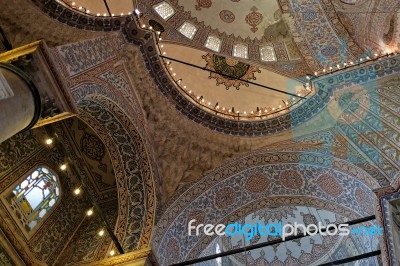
(63, 167)
(112, 253)
(77, 191)
(49, 141)
(137, 12)
(101, 232)
(89, 212)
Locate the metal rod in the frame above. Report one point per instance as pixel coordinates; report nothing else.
(87, 191)
(108, 9)
(212, 71)
(354, 258)
(96, 206)
(264, 244)
(4, 40)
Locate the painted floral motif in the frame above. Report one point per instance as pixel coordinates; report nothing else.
(364, 200)
(227, 16)
(330, 185)
(257, 183)
(172, 251)
(92, 147)
(230, 72)
(254, 19)
(197, 215)
(203, 4)
(225, 198)
(275, 213)
(292, 179)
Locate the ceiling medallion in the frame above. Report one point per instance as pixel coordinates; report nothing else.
(230, 72)
(254, 19)
(203, 4)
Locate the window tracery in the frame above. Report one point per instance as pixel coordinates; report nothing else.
(33, 197)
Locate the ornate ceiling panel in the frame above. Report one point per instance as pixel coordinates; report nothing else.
(258, 181)
(374, 24)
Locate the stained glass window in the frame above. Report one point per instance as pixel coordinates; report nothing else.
(188, 30)
(164, 10)
(240, 50)
(213, 43)
(35, 196)
(267, 53)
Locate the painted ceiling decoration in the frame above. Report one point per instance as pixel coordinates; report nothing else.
(323, 87)
(301, 179)
(230, 71)
(321, 14)
(255, 179)
(312, 250)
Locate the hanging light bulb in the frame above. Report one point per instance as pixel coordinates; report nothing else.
(101, 232)
(49, 141)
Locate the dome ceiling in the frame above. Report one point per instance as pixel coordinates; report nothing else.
(218, 89)
(258, 20)
(256, 32)
(98, 8)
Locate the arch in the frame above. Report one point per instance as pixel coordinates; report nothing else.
(258, 180)
(131, 163)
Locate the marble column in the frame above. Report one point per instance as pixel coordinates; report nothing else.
(19, 102)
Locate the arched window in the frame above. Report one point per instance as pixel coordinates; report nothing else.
(34, 196)
(217, 251)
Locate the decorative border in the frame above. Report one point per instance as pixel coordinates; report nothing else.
(78, 20)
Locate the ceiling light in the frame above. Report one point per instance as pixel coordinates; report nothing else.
(112, 253)
(49, 141)
(89, 212)
(101, 232)
(77, 191)
(63, 167)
